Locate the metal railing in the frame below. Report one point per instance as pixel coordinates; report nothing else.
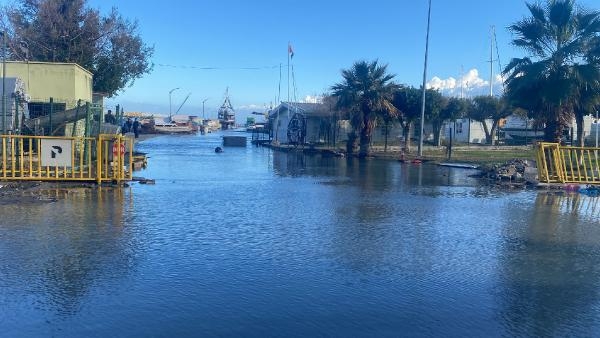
(568, 164)
(47, 158)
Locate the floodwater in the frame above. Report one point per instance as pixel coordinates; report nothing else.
(251, 242)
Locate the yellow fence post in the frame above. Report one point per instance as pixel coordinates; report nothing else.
(99, 160)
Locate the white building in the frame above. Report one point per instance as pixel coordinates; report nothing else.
(518, 128)
(300, 123)
(466, 131)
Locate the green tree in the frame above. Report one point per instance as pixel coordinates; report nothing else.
(558, 36)
(408, 102)
(489, 108)
(69, 31)
(436, 113)
(365, 93)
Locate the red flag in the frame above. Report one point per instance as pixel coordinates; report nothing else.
(290, 51)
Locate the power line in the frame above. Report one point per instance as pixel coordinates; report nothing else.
(214, 68)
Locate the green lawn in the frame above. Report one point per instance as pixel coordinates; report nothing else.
(483, 155)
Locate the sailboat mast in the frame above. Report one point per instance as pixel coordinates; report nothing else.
(492, 60)
(462, 80)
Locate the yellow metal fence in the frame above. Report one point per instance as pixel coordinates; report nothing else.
(47, 158)
(567, 164)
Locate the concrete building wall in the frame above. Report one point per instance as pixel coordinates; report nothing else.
(64, 82)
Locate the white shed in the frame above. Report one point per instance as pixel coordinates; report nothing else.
(466, 131)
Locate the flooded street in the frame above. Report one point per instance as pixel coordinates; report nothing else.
(263, 243)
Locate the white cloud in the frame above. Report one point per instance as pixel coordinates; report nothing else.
(470, 84)
(437, 83)
(313, 99)
(251, 106)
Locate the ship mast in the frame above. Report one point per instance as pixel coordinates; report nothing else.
(226, 113)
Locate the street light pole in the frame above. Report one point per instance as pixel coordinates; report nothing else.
(4, 83)
(203, 109)
(424, 83)
(170, 106)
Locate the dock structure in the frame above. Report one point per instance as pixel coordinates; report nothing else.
(234, 141)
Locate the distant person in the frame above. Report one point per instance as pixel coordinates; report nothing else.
(136, 128)
(109, 117)
(127, 126)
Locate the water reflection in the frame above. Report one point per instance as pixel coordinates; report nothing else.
(53, 254)
(370, 174)
(549, 268)
(248, 241)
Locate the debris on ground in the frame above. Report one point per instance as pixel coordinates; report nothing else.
(512, 171)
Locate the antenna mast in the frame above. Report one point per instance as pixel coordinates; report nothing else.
(492, 34)
(462, 80)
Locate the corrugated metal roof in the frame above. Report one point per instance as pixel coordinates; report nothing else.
(308, 109)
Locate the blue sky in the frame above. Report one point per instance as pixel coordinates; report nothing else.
(326, 36)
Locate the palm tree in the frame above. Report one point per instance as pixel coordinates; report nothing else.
(365, 93)
(558, 36)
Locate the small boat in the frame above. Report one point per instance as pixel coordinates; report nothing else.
(162, 126)
(413, 161)
(174, 129)
(234, 141)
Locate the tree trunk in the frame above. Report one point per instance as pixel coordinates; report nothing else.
(488, 137)
(493, 131)
(351, 144)
(387, 132)
(437, 130)
(365, 142)
(552, 131)
(580, 125)
(406, 129)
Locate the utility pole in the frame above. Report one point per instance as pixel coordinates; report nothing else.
(420, 153)
(4, 129)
